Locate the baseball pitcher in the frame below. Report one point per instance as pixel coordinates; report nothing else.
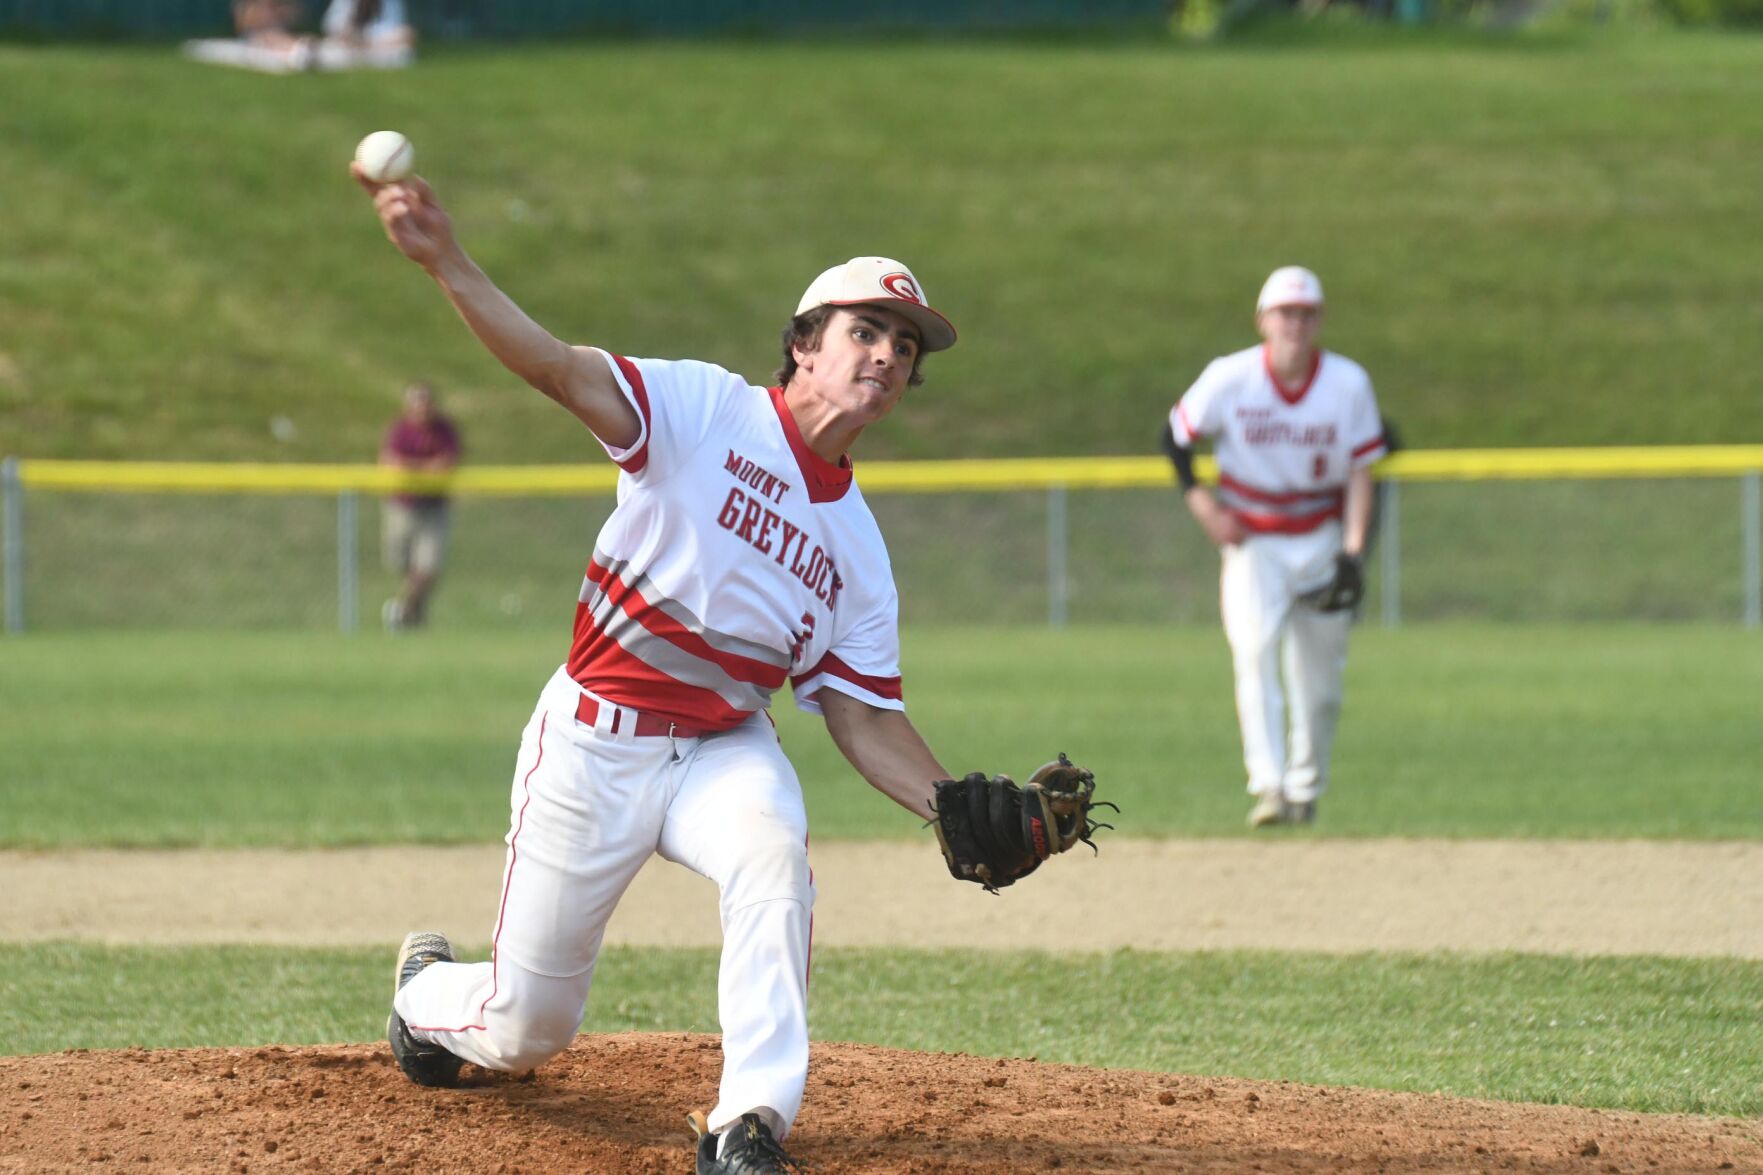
(741, 556)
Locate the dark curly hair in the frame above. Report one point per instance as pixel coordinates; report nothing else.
(806, 330)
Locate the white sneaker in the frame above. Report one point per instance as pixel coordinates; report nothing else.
(1301, 812)
(392, 615)
(1270, 808)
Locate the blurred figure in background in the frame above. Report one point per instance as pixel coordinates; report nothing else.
(420, 440)
(354, 34)
(266, 39)
(268, 23)
(374, 33)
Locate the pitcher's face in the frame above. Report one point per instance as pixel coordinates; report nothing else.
(863, 362)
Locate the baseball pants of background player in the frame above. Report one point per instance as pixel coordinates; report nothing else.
(414, 537)
(1269, 630)
(589, 806)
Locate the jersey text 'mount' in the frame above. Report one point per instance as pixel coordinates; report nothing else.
(761, 479)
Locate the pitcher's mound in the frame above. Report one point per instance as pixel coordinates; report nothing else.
(616, 1105)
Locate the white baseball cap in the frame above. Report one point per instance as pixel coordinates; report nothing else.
(1290, 285)
(881, 281)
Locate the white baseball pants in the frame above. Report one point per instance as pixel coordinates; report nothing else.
(588, 808)
(1269, 630)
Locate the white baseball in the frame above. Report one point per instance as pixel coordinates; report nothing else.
(385, 156)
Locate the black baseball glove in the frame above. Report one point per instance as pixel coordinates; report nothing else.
(1344, 591)
(993, 832)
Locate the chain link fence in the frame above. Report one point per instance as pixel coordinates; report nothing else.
(1544, 551)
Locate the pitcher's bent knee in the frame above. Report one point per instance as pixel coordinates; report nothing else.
(520, 1044)
(533, 1020)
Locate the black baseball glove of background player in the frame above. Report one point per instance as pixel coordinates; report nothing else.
(1344, 591)
(994, 832)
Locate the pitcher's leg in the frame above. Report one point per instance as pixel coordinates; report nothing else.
(739, 820)
(1316, 665)
(585, 814)
(1254, 613)
(496, 1014)
(762, 1002)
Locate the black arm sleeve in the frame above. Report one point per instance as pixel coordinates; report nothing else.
(1392, 440)
(1181, 458)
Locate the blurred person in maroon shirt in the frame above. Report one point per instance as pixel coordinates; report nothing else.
(420, 440)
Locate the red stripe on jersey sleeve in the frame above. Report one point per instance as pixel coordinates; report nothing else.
(881, 687)
(1181, 414)
(1372, 446)
(635, 460)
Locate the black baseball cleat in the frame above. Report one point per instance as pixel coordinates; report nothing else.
(425, 1064)
(751, 1150)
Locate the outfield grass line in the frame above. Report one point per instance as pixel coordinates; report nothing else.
(309, 739)
(1298, 893)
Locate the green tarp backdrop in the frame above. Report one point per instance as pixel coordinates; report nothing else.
(166, 19)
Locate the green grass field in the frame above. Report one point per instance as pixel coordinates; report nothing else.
(310, 739)
(1528, 239)
(321, 739)
(1642, 1034)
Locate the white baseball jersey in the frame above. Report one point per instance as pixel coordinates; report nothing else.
(736, 558)
(1283, 453)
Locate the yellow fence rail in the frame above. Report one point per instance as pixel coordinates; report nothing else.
(1055, 476)
(998, 475)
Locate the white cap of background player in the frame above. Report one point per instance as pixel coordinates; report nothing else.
(880, 281)
(1292, 285)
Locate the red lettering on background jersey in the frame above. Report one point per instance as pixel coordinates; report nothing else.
(1280, 433)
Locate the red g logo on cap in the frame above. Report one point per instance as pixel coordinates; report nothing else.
(902, 286)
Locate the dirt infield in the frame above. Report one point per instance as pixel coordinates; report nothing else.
(615, 1105)
(1552, 897)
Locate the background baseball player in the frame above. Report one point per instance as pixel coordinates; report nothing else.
(740, 555)
(414, 538)
(1295, 430)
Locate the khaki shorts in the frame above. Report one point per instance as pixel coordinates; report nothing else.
(414, 537)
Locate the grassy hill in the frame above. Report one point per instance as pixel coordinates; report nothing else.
(1527, 241)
